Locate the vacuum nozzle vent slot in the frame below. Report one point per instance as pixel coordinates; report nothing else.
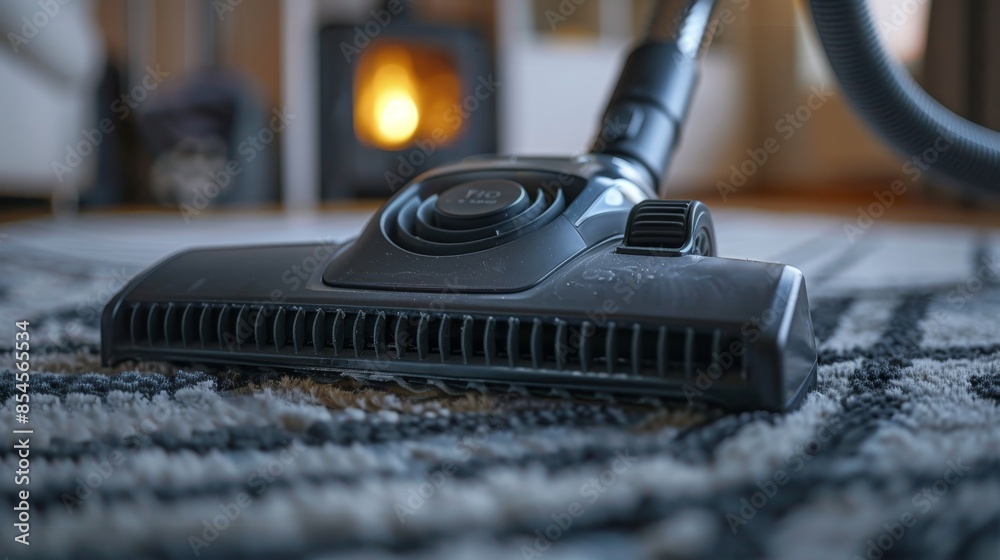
(666, 352)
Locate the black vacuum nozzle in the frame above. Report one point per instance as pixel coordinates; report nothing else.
(559, 276)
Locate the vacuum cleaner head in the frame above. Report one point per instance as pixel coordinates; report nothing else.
(561, 275)
(517, 272)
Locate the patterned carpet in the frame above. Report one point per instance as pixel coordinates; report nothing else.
(896, 455)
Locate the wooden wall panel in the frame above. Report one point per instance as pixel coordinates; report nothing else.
(250, 41)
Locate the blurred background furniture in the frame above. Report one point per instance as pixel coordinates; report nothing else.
(50, 66)
(374, 91)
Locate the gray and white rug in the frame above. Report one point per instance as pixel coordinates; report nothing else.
(896, 455)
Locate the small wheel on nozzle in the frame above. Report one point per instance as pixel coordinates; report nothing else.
(671, 228)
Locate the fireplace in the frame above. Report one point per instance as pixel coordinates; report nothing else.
(399, 97)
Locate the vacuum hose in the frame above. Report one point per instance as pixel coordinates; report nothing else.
(650, 102)
(896, 107)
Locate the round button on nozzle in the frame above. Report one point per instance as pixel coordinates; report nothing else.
(480, 203)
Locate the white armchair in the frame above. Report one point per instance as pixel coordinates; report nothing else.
(49, 66)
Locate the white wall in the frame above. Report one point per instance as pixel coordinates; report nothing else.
(554, 93)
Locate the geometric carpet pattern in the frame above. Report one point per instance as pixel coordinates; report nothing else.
(896, 454)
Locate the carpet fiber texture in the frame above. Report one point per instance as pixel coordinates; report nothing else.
(895, 455)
